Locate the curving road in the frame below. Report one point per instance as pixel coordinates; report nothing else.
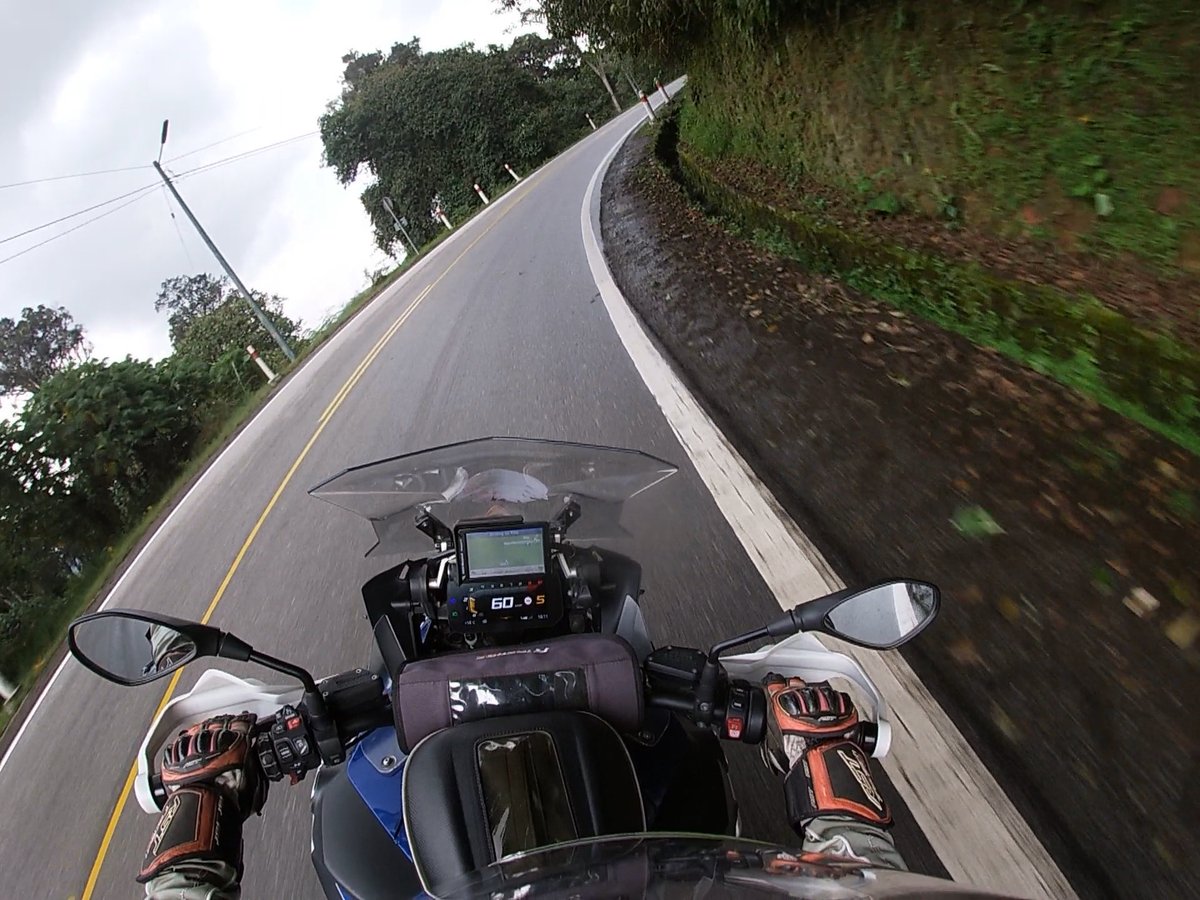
(500, 331)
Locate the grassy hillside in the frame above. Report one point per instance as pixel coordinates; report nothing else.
(1074, 123)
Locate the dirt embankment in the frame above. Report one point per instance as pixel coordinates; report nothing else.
(1063, 535)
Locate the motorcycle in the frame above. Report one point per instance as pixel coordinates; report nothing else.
(513, 699)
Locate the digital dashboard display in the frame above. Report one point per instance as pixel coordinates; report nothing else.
(504, 553)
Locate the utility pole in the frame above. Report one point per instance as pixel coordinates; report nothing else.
(400, 223)
(262, 317)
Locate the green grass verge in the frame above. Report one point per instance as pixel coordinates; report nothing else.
(1071, 123)
(1074, 338)
(10, 708)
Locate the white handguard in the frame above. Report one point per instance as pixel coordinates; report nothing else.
(804, 656)
(216, 693)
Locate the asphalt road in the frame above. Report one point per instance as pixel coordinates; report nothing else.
(508, 338)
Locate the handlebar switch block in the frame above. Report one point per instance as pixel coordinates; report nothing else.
(295, 751)
(745, 713)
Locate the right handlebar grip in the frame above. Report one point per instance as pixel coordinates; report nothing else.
(866, 736)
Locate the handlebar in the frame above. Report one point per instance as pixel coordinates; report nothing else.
(286, 744)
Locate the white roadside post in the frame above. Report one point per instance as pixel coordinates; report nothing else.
(509, 170)
(262, 364)
(591, 121)
(649, 108)
(482, 195)
(666, 96)
(7, 689)
(438, 214)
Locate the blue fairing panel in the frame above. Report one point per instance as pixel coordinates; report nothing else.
(379, 783)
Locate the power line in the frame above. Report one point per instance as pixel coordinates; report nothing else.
(73, 175)
(49, 178)
(175, 222)
(145, 192)
(213, 144)
(202, 168)
(139, 194)
(239, 156)
(79, 212)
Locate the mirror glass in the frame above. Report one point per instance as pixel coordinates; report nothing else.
(130, 650)
(885, 615)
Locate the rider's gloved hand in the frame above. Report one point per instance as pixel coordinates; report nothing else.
(810, 730)
(213, 785)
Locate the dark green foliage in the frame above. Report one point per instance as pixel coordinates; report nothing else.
(232, 326)
(35, 346)
(91, 450)
(669, 29)
(119, 430)
(188, 297)
(209, 320)
(1147, 376)
(98, 443)
(427, 124)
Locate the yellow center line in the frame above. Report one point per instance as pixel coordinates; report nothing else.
(366, 361)
(339, 397)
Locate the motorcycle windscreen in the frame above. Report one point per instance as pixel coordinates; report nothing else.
(524, 793)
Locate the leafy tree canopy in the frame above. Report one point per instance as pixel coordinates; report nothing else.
(427, 124)
(115, 433)
(231, 326)
(209, 319)
(665, 29)
(188, 297)
(33, 348)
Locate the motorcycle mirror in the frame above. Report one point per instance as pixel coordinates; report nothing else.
(133, 648)
(881, 617)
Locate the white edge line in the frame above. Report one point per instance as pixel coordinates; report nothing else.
(965, 815)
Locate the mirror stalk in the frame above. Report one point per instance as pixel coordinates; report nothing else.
(279, 665)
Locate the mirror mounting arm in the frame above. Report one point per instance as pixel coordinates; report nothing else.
(324, 729)
(271, 662)
(230, 646)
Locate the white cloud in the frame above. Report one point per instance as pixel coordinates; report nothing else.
(216, 68)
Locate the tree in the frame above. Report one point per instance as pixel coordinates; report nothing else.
(209, 318)
(662, 30)
(232, 326)
(116, 433)
(40, 343)
(435, 123)
(188, 297)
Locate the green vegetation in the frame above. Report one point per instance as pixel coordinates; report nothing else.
(429, 126)
(1146, 376)
(1071, 122)
(99, 446)
(1067, 121)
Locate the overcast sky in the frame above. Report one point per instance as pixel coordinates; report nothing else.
(85, 85)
